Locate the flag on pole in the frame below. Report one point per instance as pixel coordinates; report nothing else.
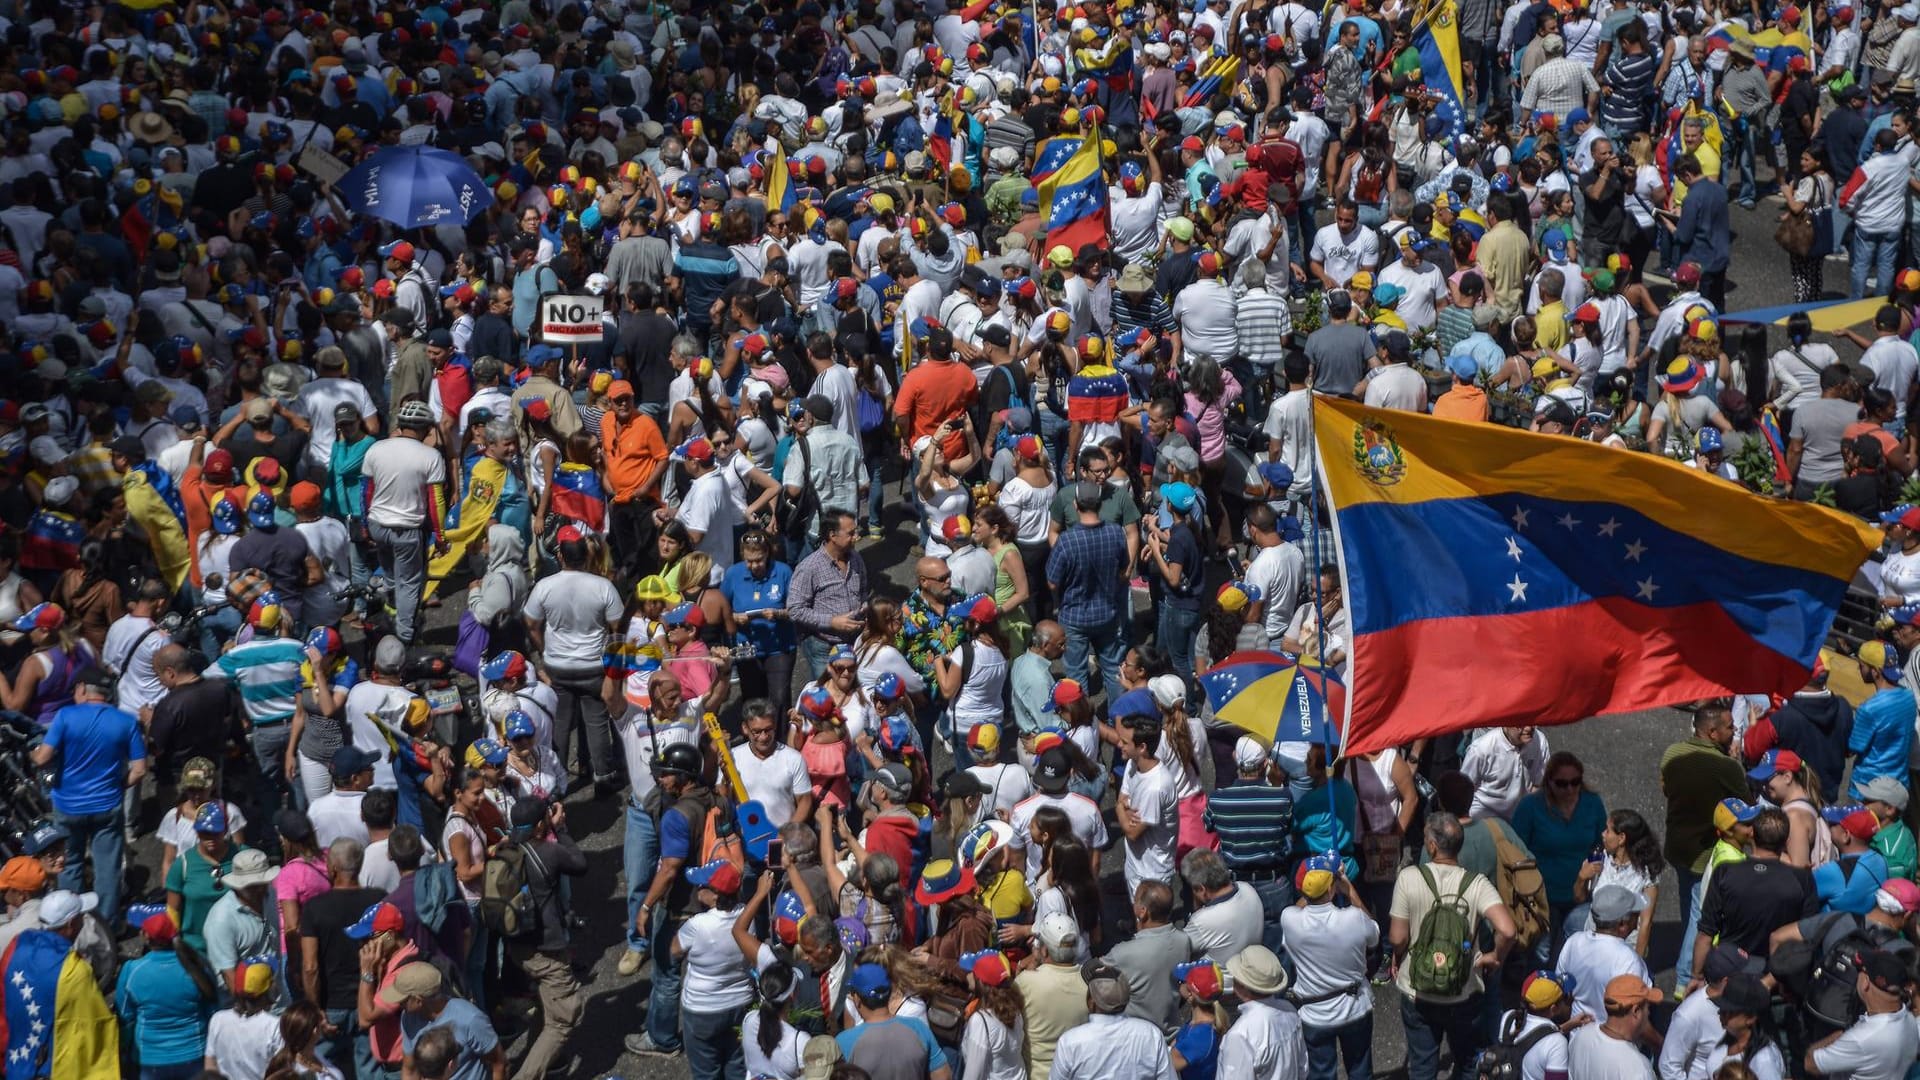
(1437, 39)
(940, 141)
(1053, 154)
(1220, 69)
(1074, 198)
(1604, 581)
(780, 193)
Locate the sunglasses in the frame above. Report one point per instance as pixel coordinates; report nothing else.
(1563, 784)
(842, 669)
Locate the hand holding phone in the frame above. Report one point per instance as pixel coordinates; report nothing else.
(776, 855)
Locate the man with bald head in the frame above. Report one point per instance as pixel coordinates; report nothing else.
(926, 631)
(194, 718)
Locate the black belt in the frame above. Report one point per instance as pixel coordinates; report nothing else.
(1264, 874)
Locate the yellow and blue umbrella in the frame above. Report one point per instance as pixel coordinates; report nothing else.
(1276, 697)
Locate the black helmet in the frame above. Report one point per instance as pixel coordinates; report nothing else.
(680, 759)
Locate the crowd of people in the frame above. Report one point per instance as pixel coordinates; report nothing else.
(861, 579)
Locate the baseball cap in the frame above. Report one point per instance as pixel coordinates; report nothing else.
(46, 834)
(990, 966)
(62, 906)
(1626, 991)
(1726, 960)
(1058, 932)
(870, 983)
(1204, 977)
(351, 761)
(1730, 812)
(1886, 971)
(380, 918)
(1065, 692)
(1744, 994)
(1107, 987)
(212, 819)
(1775, 761)
(1885, 789)
(719, 875)
(1543, 989)
(416, 980)
(1611, 903)
(1248, 753)
(23, 873)
(1883, 658)
(1898, 893)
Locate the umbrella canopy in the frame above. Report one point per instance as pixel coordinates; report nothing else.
(1276, 697)
(1827, 316)
(415, 186)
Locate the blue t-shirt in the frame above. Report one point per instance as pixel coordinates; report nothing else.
(95, 744)
(1560, 844)
(747, 593)
(1323, 819)
(892, 1039)
(471, 1031)
(1199, 1044)
(1852, 894)
(676, 835)
(163, 1009)
(1882, 736)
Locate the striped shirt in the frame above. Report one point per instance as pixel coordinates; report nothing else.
(1012, 131)
(1152, 312)
(1265, 318)
(1255, 825)
(267, 671)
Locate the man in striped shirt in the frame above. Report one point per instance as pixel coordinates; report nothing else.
(1254, 820)
(266, 671)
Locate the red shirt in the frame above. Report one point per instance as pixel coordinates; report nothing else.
(934, 392)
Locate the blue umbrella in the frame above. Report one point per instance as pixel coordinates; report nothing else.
(415, 186)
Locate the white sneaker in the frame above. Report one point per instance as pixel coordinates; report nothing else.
(630, 962)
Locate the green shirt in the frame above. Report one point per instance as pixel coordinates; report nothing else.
(1695, 774)
(1721, 854)
(196, 880)
(1116, 508)
(1895, 843)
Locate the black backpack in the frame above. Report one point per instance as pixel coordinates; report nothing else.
(1821, 976)
(1502, 1060)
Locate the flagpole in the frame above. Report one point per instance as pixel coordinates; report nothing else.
(1339, 560)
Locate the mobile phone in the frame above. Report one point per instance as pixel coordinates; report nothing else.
(776, 855)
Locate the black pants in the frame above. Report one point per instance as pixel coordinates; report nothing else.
(632, 532)
(1713, 286)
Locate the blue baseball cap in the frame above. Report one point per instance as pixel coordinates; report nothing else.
(210, 821)
(870, 982)
(1277, 474)
(351, 761)
(260, 510)
(1741, 810)
(490, 750)
(1179, 495)
(519, 725)
(1464, 366)
(1834, 815)
(46, 834)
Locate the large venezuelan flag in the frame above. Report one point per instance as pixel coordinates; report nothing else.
(1075, 199)
(1437, 39)
(55, 1022)
(780, 193)
(1498, 577)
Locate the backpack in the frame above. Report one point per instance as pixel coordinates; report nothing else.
(1521, 888)
(1822, 979)
(721, 838)
(1502, 1060)
(507, 906)
(872, 410)
(1442, 953)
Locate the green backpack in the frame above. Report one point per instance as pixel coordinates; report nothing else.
(1442, 953)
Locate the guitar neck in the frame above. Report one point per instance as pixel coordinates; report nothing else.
(719, 737)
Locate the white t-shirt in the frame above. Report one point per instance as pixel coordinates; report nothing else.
(1329, 947)
(707, 508)
(243, 1045)
(400, 469)
(371, 697)
(1224, 928)
(129, 649)
(1088, 826)
(1002, 1048)
(177, 830)
(577, 607)
(1290, 419)
(1765, 1065)
(715, 974)
(776, 781)
(336, 816)
(1281, 573)
(1205, 312)
(1877, 1047)
(979, 699)
(1007, 787)
(784, 1062)
(1343, 256)
(1150, 794)
(1027, 505)
(1593, 959)
(1592, 1052)
(1425, 286)
(316, 402)
(1549, 1054)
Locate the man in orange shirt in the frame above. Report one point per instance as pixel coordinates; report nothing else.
(204, 483)
(936, 390)
(1465, 401)
(635, 459)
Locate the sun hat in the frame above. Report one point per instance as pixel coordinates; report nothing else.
(250, 867)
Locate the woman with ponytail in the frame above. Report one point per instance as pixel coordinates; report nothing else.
(1793, 787)
(771, 1045)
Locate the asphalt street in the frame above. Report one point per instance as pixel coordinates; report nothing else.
(1620, 752)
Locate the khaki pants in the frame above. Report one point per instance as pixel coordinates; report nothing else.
(562, 1000)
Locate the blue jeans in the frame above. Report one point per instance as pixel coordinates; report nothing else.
(1352, 1041)
(186, 1070)
(1178, 625)
(1743, 140)
(1873, 252)
(348, 1050)
(274, 788)
(815, 650)
(1107, 642)
(1689, 888)
(101, 839)
(713, 1044)
(640, 857)
(1053, 433)
(479, 951)
(1276, 896)
(663, 1001)
(1427, 1023)
(403, 556)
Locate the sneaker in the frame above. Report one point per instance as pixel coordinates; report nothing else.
(643, 1045)
(631, 962)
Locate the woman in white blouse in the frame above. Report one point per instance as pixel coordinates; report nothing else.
(1900, 573)
(771, 1046)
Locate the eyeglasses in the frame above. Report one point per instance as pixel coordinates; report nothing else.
(843, 669)
(936, 577)
(1564, 783)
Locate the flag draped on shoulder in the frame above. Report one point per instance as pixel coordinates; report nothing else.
(578, 494)
(1097, 393)
(55, 1022)
(1074, 199)
(1605, 581)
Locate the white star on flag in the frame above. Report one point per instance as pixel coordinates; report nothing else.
(1609, 527)
(33, 1007)
(1520, 517)
(1568, 521)
(1635, 550)
(1647, 588)
(1518, 588)
(1513, 548)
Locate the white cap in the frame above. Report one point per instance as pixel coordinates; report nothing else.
(597, 284)
(1167, 690)
(60, 489)
(1056, 930)
(45, 451)
(1248, 753)
(61, 906)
